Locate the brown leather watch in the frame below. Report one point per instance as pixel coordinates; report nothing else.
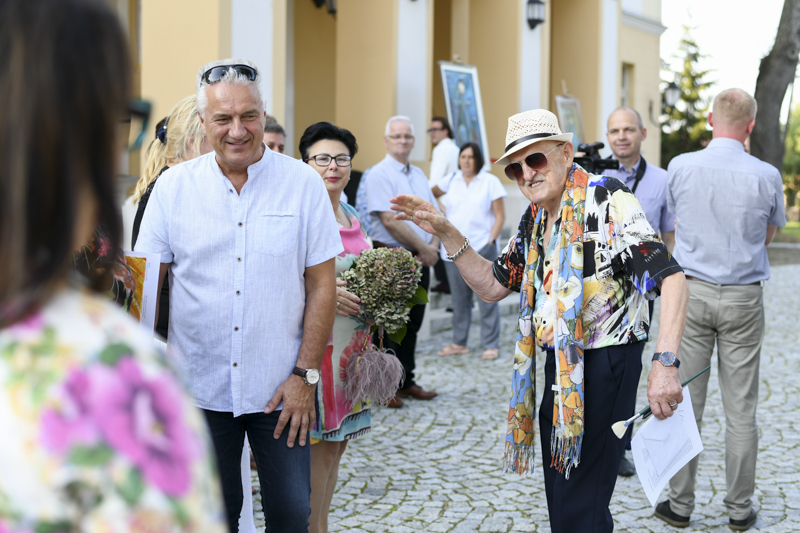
(309, 375)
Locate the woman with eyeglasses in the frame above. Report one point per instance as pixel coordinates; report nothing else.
(329, 150)
(98, 433)
(475, 206)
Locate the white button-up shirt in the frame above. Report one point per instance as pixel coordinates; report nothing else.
(237, 291)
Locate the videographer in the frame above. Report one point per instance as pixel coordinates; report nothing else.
(646, 181)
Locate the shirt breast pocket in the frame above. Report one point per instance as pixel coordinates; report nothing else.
(276, 233)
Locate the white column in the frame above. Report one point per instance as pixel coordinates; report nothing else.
(413, 71)
(251, 38)
(530, 67)
(609, 68)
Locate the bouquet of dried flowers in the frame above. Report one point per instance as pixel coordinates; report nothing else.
(386, 280)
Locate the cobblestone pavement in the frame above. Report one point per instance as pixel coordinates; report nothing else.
(436, 466)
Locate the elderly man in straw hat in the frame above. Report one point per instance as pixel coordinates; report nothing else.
(586, 262)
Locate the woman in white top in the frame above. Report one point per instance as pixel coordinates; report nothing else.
(475, 207)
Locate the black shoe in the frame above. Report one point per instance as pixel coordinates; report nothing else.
(626, 468)
(745, 523)
(665, 513)
(441, 288)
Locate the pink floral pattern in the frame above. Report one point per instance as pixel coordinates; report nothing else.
(95, 421)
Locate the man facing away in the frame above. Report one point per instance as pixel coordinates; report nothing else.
(249, 240)
(392, 176)
(444, 162)
(649, 184)
(729, 205)
(585, 261)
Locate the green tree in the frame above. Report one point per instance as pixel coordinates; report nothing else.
(791, 159)
(683, 128)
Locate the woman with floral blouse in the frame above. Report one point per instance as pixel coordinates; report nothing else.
(98, 433)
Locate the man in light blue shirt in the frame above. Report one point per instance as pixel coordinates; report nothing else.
(648, 183)
(249, 238)
(392, 176)
(729, 205)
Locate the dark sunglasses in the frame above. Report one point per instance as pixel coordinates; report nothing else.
(214, 74)
(535, 161)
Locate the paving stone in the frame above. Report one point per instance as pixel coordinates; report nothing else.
(435, 466)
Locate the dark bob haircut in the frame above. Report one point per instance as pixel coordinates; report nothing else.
(325, 131)
(476, 153)
(64, 84)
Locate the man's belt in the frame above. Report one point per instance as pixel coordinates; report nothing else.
(379, 244)
(724, 284)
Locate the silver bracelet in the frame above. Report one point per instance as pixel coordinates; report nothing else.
(459, 252)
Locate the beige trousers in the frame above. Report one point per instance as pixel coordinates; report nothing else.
(733, 317)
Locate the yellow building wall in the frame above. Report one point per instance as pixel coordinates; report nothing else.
(172, 53)
(575, 32)
(314, 68)
(365, 92)
(494, 48)
(639, 49)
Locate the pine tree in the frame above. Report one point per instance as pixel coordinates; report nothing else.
(684, 127)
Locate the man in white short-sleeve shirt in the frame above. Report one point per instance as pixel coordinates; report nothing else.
(249, 239)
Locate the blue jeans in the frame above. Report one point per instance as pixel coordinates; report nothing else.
(285, 473)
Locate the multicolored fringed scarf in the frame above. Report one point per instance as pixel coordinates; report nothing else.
(568, 409)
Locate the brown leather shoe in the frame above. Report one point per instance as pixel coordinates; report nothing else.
(415, 391)
(395, 403)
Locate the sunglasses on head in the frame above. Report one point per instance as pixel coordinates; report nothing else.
(214, 74)
(535, 161)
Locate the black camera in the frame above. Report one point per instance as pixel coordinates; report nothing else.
(592, 162)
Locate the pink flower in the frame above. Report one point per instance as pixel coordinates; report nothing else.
(31, 324)
(70, 422)
(143, 419)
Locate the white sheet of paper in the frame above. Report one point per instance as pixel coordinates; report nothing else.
(662, 447)
(149, 289)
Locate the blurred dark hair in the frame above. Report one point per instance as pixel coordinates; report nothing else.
(325, 131)
(64, 87)
(445, 125)
(271, 126)
(476, 153)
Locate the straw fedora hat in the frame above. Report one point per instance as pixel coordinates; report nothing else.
(525, 129)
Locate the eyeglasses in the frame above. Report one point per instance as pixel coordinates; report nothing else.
(214, 74)
(324, 160)
(399, 137)
(431, 130)
(536, 161)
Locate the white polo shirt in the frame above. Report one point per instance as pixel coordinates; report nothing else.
(469, 207)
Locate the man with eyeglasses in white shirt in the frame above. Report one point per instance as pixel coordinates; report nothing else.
(392, 176)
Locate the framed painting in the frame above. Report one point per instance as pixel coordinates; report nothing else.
(569, 118)
(462, 98)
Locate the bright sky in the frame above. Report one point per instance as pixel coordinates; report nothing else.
(733, 34)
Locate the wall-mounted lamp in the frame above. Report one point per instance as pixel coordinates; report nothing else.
(534, 12)
(330, 3)
(672, 94)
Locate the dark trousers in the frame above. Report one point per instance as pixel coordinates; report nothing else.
(629, 434)
(285, 473)
(405, 350)
(580, 503)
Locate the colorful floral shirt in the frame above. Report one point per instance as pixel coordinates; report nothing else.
(624, 260)
(98, 434)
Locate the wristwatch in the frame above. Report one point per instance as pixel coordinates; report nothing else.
(309, 375)
(667, 359)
